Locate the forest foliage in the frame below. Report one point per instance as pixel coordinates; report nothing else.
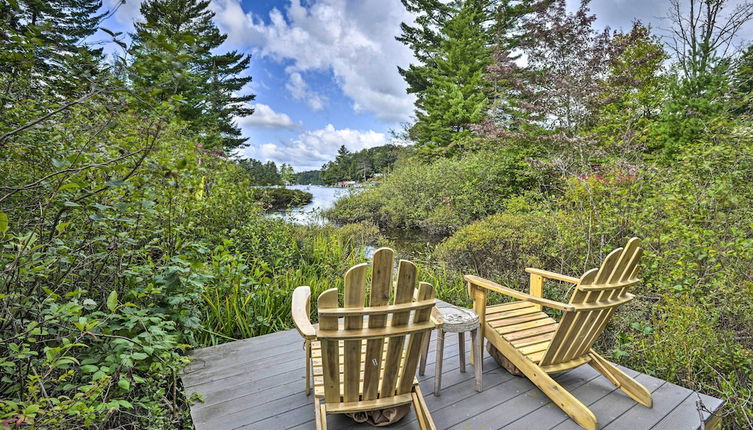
(127, 234)
(597, 136)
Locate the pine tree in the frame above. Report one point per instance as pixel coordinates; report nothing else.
(452, 42)
(458, 94)
(174, 59)
(43, 46)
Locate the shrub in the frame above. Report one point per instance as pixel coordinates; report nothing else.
(438, 197)
(361, 234)
(501, 246)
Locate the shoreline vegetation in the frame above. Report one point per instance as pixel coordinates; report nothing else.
(280, 198)
(129, 235)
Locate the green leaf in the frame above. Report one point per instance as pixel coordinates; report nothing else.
(69, 186)
(139, 356)
(112, 301)
(124, 384)
(89, 368)
(3, 222)
(61, 227)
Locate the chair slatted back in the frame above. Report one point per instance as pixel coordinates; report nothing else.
(366, 330)
(597, 295)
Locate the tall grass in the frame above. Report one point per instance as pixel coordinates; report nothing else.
(248, 297)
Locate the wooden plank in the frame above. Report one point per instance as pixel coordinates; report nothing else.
(531, 410)
(525, 334)
(416, 341)
(614, 404)
(395, 331)
(684, 416)
(519, 319)
(536, 287)
(526, 325)
(380, 310)
(406, 285)
(330, 356)
(354, 292)
(381, 281)
(458, 389)
(520, 405)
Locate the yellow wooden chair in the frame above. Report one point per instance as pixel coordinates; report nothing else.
(367, 361)
(538, 345)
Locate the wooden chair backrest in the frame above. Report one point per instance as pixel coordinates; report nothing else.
(384, 374)
(597, 295)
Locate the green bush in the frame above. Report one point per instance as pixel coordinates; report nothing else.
(438, 197)
(501, 246)
(361, 234)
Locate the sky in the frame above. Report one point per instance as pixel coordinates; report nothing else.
(325, 71)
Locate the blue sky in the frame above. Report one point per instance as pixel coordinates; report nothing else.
(325, 71)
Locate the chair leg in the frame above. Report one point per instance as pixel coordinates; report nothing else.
(461, 352)
(308, 367)
(630, 386)
(478, 353)
(438, 363)
(424, 354)
(425, 422)
(559, 396)
(320, 414)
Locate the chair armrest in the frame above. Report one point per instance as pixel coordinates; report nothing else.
(436, 317)
(301, 297)
(493, 286)
(552, 275)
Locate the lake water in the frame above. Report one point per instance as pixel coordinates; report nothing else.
(412, 243)
(324, 198)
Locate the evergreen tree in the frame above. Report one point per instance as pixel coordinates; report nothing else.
(43, 49)
(174, 59)
(457, 95)
(452, 44)
(742, 83)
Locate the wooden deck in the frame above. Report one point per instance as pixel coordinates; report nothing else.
(258, 384)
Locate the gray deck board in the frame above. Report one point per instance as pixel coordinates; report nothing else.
(258, 384)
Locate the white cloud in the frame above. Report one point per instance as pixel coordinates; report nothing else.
(312, 148)
(126, 12)
(265, 117)
(300, 91)
(355, 40)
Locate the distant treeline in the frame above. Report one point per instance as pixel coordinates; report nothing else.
(309, 177)
(348, 166)
(361, 165)
(267, 173)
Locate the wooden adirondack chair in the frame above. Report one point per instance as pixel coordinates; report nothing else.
(368, 361)
(537, 345)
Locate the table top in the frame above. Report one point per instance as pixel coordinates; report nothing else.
(456, 319)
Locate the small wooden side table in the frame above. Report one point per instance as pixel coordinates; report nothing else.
(453, 319)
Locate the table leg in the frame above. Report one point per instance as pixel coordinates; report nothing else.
(438, 363)
(479, 355)
(424, 354)
(461, 345)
